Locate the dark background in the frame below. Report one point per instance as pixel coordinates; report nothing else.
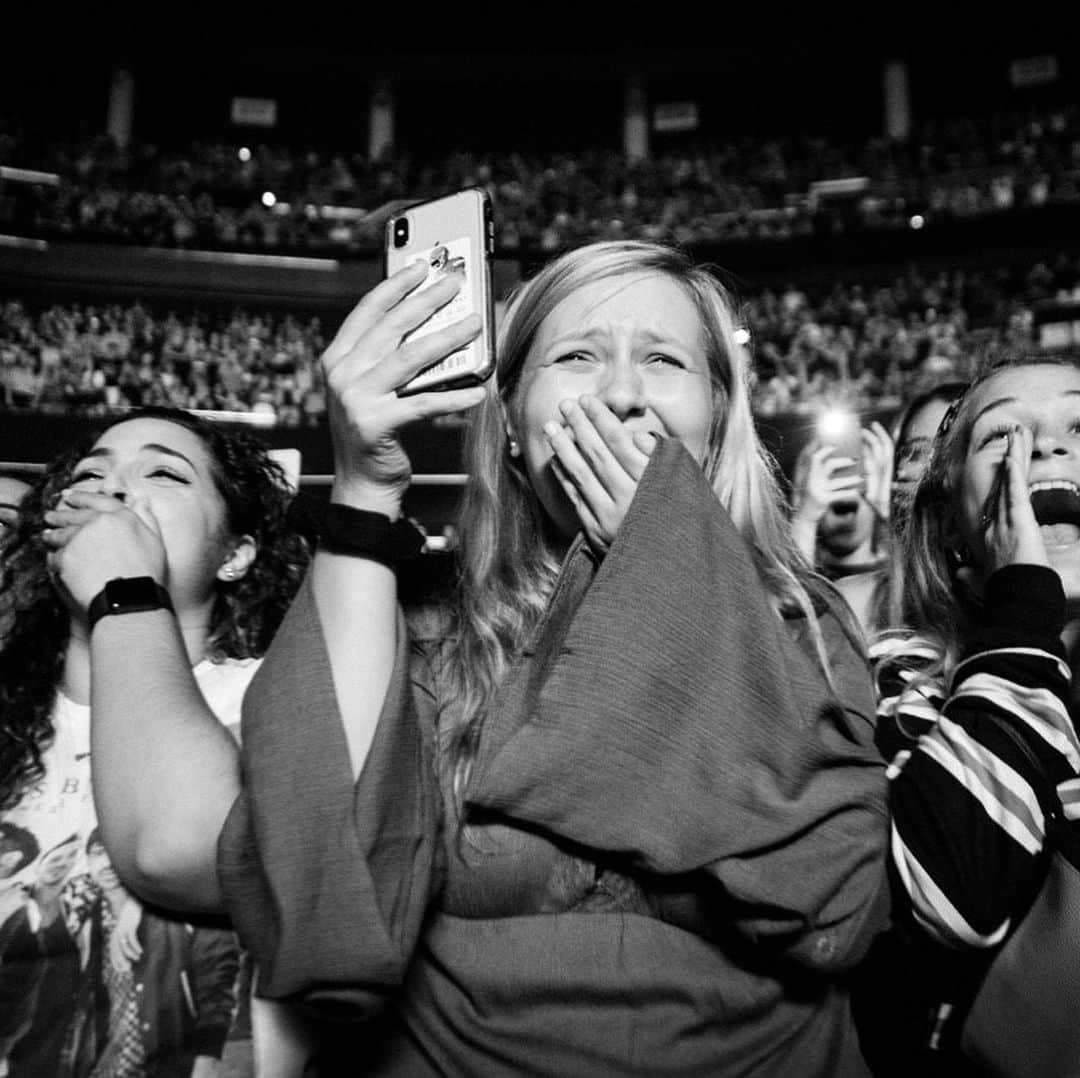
(514, 75)
(533, 77)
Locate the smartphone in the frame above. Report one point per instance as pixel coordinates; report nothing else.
(452, 234)
(841, 431)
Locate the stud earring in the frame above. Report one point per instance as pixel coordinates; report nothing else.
(515, 449)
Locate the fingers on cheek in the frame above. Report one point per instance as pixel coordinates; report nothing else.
(566, 482)
(576, 425)
(560, 439)
(583, 509)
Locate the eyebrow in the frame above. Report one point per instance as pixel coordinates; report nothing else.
(650, 335)
(152, 447)
(1012, 400)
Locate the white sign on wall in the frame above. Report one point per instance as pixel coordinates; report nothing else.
(676, 116)
(1033, 70)
(254, 111)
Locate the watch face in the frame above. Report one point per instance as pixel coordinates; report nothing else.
(133, 593)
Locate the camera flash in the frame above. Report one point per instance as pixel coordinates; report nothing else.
(833, 424)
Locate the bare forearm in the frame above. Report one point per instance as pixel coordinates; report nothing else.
(165, 771)
(357, 603)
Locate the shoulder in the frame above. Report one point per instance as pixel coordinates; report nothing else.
(900, 656)
(910, 683)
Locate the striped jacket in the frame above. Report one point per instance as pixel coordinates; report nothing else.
(968, 822)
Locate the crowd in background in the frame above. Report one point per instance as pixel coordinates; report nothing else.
(877, 341)
(99, 358)
(859, 902)
(280, 198)
(874, 343)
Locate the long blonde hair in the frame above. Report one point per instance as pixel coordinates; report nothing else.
(509, 565)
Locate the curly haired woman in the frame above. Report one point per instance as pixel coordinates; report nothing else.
(192, 518)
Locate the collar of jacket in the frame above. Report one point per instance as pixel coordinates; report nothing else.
(665, 671)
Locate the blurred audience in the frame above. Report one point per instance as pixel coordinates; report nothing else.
(886, 341)
(99, 358)
(876, 343)
(276, 197)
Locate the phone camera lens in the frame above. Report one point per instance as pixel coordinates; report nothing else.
(401, 231)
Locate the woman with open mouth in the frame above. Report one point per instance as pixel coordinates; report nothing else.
(976, 695)
(615, 808)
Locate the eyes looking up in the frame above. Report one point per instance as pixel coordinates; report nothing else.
(584, 360)
(996, 433)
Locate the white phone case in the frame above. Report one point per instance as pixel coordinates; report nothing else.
(453, 234)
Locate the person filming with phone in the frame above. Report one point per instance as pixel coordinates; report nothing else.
(840, 496)
(615, 807)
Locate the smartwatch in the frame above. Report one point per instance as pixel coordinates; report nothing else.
(127, 595)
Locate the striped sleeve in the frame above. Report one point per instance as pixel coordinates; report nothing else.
(967, 817)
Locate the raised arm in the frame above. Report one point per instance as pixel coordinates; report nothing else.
(356, 597)
(967, 802)
(165, 771)
(330, 853)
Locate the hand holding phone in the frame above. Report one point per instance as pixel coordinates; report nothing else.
(454, 237)
(839, 430)
(364, 367)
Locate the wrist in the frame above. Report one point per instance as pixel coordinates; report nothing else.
(365, 533)
(368, 497)
(126, 595)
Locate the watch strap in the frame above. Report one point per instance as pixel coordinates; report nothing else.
(361, 533)
(127, 595)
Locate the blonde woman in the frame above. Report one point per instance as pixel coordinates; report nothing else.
(615, 808)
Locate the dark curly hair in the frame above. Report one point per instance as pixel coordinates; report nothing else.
(35, 624)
